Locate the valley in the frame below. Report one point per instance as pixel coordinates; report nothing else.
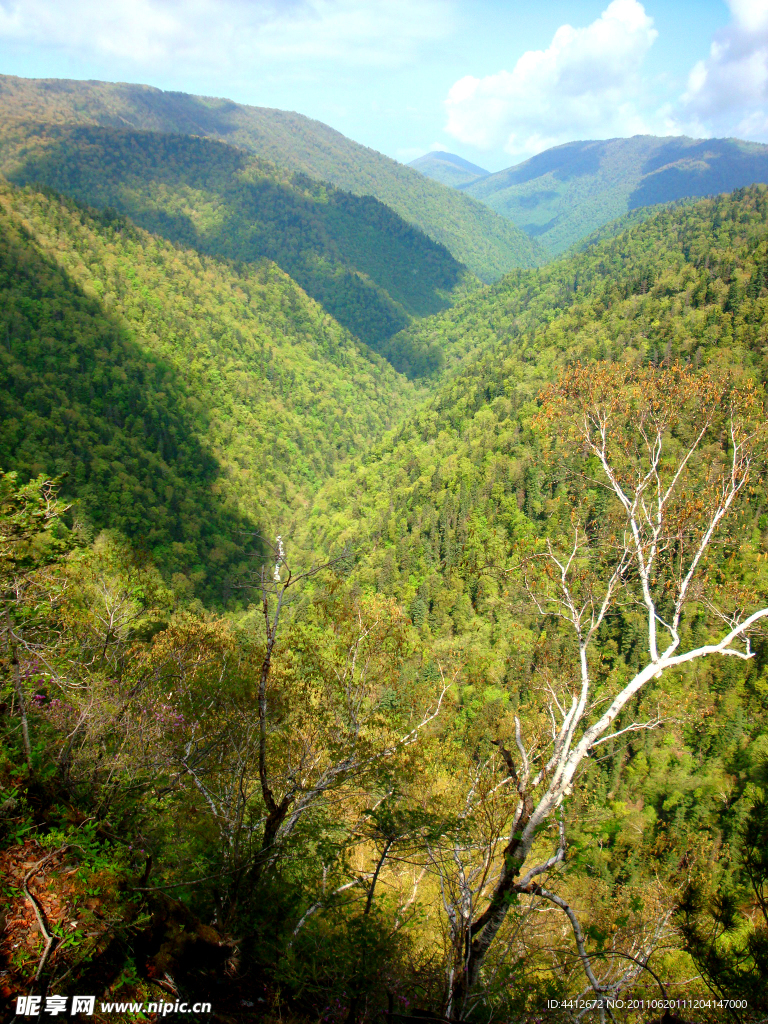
(486, 243)
(384, 574)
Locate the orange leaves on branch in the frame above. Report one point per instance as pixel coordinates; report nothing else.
(652, 457)
(657, 420)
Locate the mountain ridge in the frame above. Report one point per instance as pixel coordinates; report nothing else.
(489, 245)
(371, 270)
(565, 193)
(191, 401)
(689, 283)
(448, 168)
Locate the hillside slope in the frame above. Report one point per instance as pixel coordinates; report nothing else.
(562, 195)
(440, 512)
(689, 283)
(448, 169)
(486, 243)
(192, 402)
(368, 268)
(120, 347)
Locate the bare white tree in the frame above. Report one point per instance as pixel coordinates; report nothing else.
(671, 452)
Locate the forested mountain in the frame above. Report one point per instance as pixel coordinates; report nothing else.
(441, 514)
(688, 284)
(366, 266)
(565, 193)
(190, 400)
(486, 243)
(438, 755)
(448, 169)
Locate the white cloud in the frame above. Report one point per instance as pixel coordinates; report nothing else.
(727, 93)
(582, 86)
(227, 33)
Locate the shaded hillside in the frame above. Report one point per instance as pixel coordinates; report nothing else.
(689, 284)
(369, 269)
(564, 194)
(486, 243)
(400, 741)
(448, 169)
(438, 512)
(188, 400)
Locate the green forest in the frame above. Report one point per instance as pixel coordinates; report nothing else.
(487, 243)
(564, 193)
(189, 401)
(368, 268)
(376, 644)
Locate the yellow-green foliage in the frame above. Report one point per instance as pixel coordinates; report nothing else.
(189, 400)
(488, 244)
(440, 509)
(366, 266)
(131, 363)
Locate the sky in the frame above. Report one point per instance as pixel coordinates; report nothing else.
(495, 81)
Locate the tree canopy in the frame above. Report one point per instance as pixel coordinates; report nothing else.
(479, 718)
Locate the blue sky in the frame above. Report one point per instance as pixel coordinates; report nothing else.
(492, 80)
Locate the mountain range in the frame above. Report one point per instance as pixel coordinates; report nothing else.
(233, 341)
(448, 169)
(485, 242)
(566, 193)
(370, 269)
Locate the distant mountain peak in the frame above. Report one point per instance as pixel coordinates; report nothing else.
(448, 158)
(561, 195)
(448, 168)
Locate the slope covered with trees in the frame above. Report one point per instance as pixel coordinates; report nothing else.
(190, 400)
(687, 284)
(485, 242)
(368, 268)
(443, 513)
(564, 194)
(448, 168)
(490, 754)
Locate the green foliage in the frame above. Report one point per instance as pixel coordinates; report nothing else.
(169, 753)
(189, 401)
(659, 289)
(725, 918)
(441, 508)
(448, 169)
(366, 266)
(489, 245)
(31, 530)
(564, 194)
